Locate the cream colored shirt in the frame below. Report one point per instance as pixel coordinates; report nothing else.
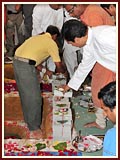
(39, 48)
(43, 16)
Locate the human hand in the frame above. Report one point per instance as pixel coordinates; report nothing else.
(64, 88)
(49, 73)
(66, 74)
(39, 68)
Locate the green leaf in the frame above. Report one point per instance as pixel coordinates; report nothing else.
(40, 146)
(61, 105)
(60, 146)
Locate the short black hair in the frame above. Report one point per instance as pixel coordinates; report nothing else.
(107, 5)
(73, 28)
(53, 30)
(108, 95)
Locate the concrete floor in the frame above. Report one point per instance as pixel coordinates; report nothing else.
(82, 116)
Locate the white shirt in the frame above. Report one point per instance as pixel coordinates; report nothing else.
(101, 48)
(70, 57)
(43, 16)
(69, 53)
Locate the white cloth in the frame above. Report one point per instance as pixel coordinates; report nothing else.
(101, 48)
(70, 58)
(69, 53)
(43, 16)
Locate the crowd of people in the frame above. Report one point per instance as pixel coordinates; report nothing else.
(77, 40)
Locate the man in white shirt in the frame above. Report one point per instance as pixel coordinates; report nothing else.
(43, 16)
(99, 45)
(69, 51)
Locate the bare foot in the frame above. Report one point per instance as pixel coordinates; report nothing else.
(92, 124)
(37, 134)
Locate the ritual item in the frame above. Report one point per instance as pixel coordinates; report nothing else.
(62, 115)
(87, 143)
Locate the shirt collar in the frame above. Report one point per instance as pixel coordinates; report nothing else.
(48, 35)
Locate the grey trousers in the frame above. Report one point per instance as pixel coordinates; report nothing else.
(30, 94)
(14, 36)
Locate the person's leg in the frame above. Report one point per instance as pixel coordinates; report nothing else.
(100, 118)
(100, 121)
(27, 12)
(10, 34)
(29, 90)
(20, 28)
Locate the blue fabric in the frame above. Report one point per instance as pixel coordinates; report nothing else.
(43, 154)
(109, 145)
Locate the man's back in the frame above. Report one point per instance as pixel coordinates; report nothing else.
(34, 46)
(105, 45)
(95, 15)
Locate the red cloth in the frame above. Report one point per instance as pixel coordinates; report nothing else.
(46, 87)
(9, 87)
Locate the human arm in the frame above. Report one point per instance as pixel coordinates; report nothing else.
(83, 69)
(54, 53)
(64, 88)
(40, 67)
(59, 67)
(45, 71)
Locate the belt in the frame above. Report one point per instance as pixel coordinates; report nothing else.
(31, 62)
(10, 12)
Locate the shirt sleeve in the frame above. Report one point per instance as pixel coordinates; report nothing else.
(105, 44)
(54, 52)
(83, 69)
